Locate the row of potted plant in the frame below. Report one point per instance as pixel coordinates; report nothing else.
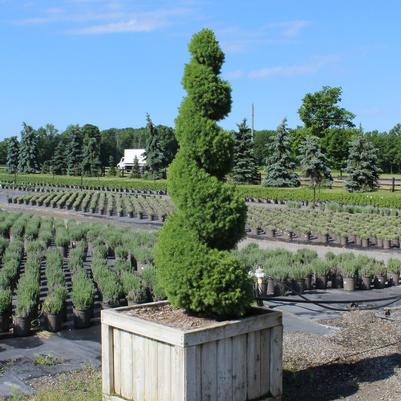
(27, 292)
(54, 306)
(344, 228)
(283, 271)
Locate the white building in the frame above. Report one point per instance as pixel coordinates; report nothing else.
(127, 162)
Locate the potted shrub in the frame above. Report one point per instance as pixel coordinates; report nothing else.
(380, 274)
(82, 299)
(298, 274)
(54, 307)
(133, 288)
(321, 270)
(203, 280)
(23, 314)
(62, 242)
(366, 274)
(349, 274)
(393, 268)
(5, 310)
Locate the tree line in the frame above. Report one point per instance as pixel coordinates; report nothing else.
(88, 151)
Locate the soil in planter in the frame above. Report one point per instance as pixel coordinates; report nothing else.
(178, 318)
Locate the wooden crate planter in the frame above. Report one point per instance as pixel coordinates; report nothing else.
(238, 360)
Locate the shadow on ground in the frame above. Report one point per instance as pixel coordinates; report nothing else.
(337, 380)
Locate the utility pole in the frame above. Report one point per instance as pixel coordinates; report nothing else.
(253, 121)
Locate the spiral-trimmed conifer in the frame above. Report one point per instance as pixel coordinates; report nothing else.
(191, 256)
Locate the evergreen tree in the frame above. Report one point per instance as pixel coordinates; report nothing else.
(58, 162)
(112, 167)
(244, 168)
(153, 151)
(28, 151)
(192, 257)
(91, 162)
(74, 153)
(12, 155)
(136, 169)
(280, 164)
(362, 166)
(314, 163)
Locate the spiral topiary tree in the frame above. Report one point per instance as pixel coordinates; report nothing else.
(191, 256)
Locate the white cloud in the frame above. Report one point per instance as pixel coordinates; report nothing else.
(91, 17)
(309, 68)
(290, 28)
(237, 40)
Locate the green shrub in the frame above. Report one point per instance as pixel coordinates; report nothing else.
(133, 287)
(5, 301)
(193, 267)
(82, 291)
(54, 301)
(394, 265)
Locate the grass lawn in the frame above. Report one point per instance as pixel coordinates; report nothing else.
(83, 385)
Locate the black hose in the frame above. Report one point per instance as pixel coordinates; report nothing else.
(323, 304)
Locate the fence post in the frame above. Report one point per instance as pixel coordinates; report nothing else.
(393, 185)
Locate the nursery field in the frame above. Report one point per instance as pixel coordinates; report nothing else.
(254, 193)
(328, 223)
(56, 274)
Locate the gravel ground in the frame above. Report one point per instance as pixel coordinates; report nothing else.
(361, 362)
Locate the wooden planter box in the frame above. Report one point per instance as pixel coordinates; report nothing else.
(238, 360)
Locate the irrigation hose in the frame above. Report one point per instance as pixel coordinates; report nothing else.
(324, 304)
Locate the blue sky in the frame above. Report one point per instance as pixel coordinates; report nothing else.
(108, 62)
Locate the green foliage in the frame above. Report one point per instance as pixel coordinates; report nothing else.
(5, 301)
(28, 152)
(321, 110)
(161, 147)
(192, 266)
(58, 163)
(82, 291)
(12, 155)
(74, 152)
(90, 162)
(112, 167)
(280, 164)
(54, 302)
(313, 163)
(335, 145)
(362, 166)
(136, 169)
(245, 169)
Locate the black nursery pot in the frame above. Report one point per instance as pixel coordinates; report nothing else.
(5, 319)
(364, 283)
(321, 282)
(393, 279)
(54, 322)
(22, 326)
(82, 318)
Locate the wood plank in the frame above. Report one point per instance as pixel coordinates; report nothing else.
(107, 360)
(151, 376)
(276, 361)
(217, 331)
(164, 371)
(192, 378)
(265, 362)
(126, 365)
(239, 368)
(117, 361)
(231, 329)
(253, 365)
(209, 371)
(225, 370)
(177, 374)
(143, 328)
(138, 379)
